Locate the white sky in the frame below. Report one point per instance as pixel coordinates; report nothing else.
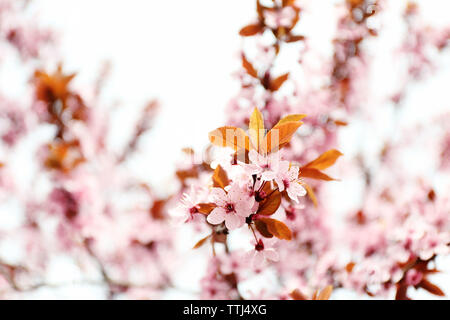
(182, 53)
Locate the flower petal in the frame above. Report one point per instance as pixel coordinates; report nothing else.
(271, 254)
(235, 193)
(244, 207)
(268, 175)
(216, 216)
(233, 221)
(258, 260)
(218, 196)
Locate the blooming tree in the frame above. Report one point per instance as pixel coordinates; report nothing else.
(384, 244)
(268, 198)
(80, 203)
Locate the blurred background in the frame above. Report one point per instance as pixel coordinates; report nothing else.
(185, 54)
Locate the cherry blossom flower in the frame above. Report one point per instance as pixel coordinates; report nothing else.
(280, 18)
(262, 253)
(265, 165)
(233, 206)
(287, 179)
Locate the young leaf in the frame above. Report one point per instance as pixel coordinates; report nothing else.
(233, 137)
(325, 294)
(276, 83)
(201, 242)
(256, 128)
(294, 38)
(297, 295)
(270, 204)
(277, 228)
(249, 67)
(251, 30)
(289, 118)
(261, 226)
(220, 178)
(431, 288)
(325, 160)
(311, 194)
(314, 174)
(205, 208)
(277, 137)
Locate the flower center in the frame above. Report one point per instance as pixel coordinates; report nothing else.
(286, 183)
(229, 207)
(193, 210)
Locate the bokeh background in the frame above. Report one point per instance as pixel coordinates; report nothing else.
(185, 54)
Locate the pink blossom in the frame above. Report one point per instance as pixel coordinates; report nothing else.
(263, 252)
(413, 277)
(287, 178)
(265, 165)
(280, 18)
(233, 206)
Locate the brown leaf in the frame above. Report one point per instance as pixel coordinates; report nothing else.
(349, 267)
(289, 118)
(277, 137)
(325, 294)
(201, 242)
(262, 228)
(277, 228)
(431, 288)
(233, 137)
(340, 123)
(270, 204)
(256, 128)
(276, 83)
(311, 194)
(314, 174)
(249, 67)
(297, 295)
(294, 38)
(205, 208)
(157, 209)
(325, 160)
(251, 30)
(220, 178)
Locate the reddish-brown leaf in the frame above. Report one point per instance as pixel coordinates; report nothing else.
(233, 137)
(201, 242)
(325, 160)
(294, 38)
(277, 228)
(431, 288)
(297, 295)
(277, 137)
(276, 83)
(249, 67)
(340, 123)
(261, 226)
(220, 178)
(325, 293)
(270, 204)
(251, 30)
(314, 174)
(289, 118)
(349, 267)
(157, 209)
(205, 208)
(311, 193)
